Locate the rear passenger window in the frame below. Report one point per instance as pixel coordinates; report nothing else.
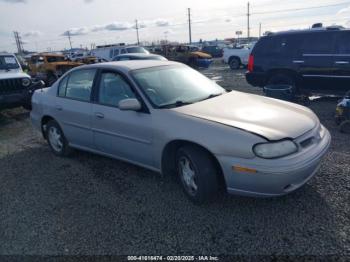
(276, 46)
(80, 84)
(343, 43)
(317, 43)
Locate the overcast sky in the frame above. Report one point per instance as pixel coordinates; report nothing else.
(44, 24)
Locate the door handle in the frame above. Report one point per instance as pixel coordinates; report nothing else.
(298, 62)
(59, 108)
(99, 115)
(342, 62)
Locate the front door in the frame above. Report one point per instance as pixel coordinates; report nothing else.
(342, 60)
(125, 134)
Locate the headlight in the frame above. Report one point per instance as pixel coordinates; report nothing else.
(26, 82)
(275, 149)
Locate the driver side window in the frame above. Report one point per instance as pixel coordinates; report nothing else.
(113, 88)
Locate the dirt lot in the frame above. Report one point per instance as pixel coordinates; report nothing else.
(89, 204)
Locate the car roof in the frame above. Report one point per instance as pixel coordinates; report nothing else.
(130, 65)
(306, 31)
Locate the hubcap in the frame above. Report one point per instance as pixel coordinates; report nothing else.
(188, 175)
(55, 139)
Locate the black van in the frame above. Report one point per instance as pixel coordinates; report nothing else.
(317, 58)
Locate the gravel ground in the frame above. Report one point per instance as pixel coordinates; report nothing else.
(93, 205)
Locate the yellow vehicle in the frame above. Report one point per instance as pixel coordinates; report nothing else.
(49, 67)
(187, 54)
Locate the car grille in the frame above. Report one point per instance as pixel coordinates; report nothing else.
(9, 86)
(313, 137)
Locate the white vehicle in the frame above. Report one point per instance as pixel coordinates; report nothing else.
(110, 51)
(236, 57)
(16, 87)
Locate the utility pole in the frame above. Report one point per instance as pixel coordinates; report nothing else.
(18, 42)
(248, 22)
(70, 42)
(259, 30)
(189, 25)
(137, 32)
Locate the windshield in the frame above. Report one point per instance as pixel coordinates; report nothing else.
(137, 50)
(8, 62)
(54, 59)
(171, 86)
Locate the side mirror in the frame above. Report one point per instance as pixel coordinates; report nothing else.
(130, 104)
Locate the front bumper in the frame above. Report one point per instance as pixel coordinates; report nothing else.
(274, 177)
(19, 98)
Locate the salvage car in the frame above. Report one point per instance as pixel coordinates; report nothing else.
(48, 67)
(171, 119)
(16, 87)
(187, 54)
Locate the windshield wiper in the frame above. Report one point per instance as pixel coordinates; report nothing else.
(176, 104)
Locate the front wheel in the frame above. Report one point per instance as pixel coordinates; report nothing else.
(197, 173)
(56, 139)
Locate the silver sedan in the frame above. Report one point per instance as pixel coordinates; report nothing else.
(169, 118)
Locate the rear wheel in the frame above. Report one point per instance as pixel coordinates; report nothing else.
(56, 139)
(197, 172)
(235, 63)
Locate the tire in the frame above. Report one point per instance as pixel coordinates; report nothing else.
(59, 145)
(235, 63)
(345, 127)
(197, 173)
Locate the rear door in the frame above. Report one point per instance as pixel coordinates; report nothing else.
(316, 50)
(73, 107)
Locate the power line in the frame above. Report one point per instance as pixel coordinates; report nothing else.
(299, 9)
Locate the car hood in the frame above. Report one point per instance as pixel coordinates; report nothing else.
(271, 118)
(13, 73)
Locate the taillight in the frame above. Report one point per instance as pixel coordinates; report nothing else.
(251, 63)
